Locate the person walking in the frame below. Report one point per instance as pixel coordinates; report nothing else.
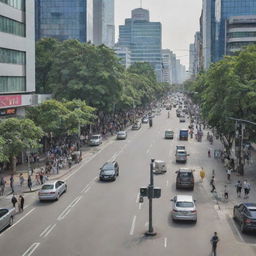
(247, 188)
(209, 153)
(228, 174)
(202, 174)
(29, 182)
(21, 178)
(214, 242)
(212, 183)
(225, 192)
(12, 183)
(20, 203)
(14, 201)
(2, 186)
(238, 188)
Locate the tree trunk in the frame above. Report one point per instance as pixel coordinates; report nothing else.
(13, 164)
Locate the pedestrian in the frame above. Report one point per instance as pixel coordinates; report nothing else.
(202, 174)
(2, 186)
(229, 173)
(238, 188)
(214, 242)
(41, 176)
(225, 192)
(12, 183)
(21, 178)
(209, 153)
(247, 187)
(21, 203)
(212, 183)
(14, 201)
(29, 182)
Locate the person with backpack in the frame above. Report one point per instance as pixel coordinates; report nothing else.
(214, 242)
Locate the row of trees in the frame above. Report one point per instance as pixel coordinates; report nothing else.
(228, 89)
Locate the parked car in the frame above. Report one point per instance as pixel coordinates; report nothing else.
(245, 215)
(95, 140)
(145, 120)
(109, 171)
(121, 135)
(185, 178)
(6, 217)
(136, 125)
(52, 190)
(184, 208)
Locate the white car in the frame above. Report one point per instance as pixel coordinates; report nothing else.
(95, 140)
(121, 135)
(6, 217)
(184, 208)
(52, 190)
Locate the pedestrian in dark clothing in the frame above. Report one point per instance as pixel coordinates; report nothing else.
(238, 188)
(21, 203)
(29, 182)
(11, 183)
(212, 183)
(209, 153)
(41, 176)
(214, 241)
(14, 201)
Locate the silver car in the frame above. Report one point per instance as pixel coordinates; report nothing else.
(121, 135)
(52, 190)
(6, 217)
(95, 140)
(184, 208)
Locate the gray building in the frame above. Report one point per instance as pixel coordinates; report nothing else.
(104, 22)
(144, 39)
(64, 19)
(17, 56)
(124, 54)
(167, 66)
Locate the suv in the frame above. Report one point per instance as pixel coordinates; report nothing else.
(185, 179)
(136, 125)
(109, 171)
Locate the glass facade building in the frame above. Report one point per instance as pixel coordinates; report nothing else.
(144, 39)
(64, 19)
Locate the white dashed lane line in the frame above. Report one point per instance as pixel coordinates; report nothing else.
(31, 249)
(133, 225)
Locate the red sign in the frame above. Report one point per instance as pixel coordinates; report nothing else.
(10, 100)
(7, 112)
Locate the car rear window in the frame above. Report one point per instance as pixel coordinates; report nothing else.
(95, 137)
(108, 172)
(253, 212)
(46, 187)
(184, 204)
(185, 174)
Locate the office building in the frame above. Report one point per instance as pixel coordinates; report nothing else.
(124, 54)
(144, 39)
(64, 19)
(17, 56)
(103, 22)
(167, 66)
(240, 32)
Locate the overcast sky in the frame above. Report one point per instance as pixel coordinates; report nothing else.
(179, 18)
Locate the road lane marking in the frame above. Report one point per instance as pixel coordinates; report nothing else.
(133, 225)
(49, 231)
(146, 224)
(140, 205)
(167, 183)
(22, 218)
(85, 188)
(45, 230)
(67, 210)
(165, 242)
(147, 151)
(31, 249)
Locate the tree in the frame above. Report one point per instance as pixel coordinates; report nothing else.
(19, 135)
(3, 156)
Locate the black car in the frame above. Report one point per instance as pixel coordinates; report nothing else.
(245, 215)
(185, 179)
(109, 171)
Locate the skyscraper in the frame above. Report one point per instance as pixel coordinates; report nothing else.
(64, 19)
(103, 22)
(144, 39)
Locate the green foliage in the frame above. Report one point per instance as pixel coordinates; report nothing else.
(3, 156)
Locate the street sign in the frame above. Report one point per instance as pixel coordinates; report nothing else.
(157, 193)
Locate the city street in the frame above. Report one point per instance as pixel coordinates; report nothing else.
(105, 218)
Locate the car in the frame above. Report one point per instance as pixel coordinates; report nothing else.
(52, 190)
(95, 140)
(169, 107)
(184, 208)
(121, 135)
(185, 178)
(245, 215)
(168, 134)
(6, 217)
(136, 125)
(144, 120)
(181, 155)
(182, 119)
(109, 171)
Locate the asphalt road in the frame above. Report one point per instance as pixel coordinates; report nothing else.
(105, 218)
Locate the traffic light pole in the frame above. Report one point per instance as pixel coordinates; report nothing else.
(150, 231)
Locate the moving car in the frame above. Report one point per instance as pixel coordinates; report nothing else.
(121, 135)
(145, 120)
(245, 215)
(95, 140)
(109, 171)
(168, 134)
(136, 125)
(185, 179)
(52, 190)
(184, 134)
(184, 208)
(182, 119)
(181, 154)
(6, 217)
(160, 167)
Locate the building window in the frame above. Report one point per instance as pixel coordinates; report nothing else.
(18, 4)
(12, 84)
(12, 57)
(11, 26)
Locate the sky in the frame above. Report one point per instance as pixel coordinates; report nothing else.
(179, 18)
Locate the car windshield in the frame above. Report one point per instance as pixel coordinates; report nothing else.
(253, 212)
(47, 187)
(121, 133)
(95, 137)
(184, 204)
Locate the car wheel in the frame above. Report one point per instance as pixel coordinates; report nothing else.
(11, 221)
(242, 227)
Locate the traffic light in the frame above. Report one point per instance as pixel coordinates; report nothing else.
(144, 191)
(157, 193)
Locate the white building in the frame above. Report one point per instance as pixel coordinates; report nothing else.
(103, 23)
(124, 54)
(167, 66)
(17, 56)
